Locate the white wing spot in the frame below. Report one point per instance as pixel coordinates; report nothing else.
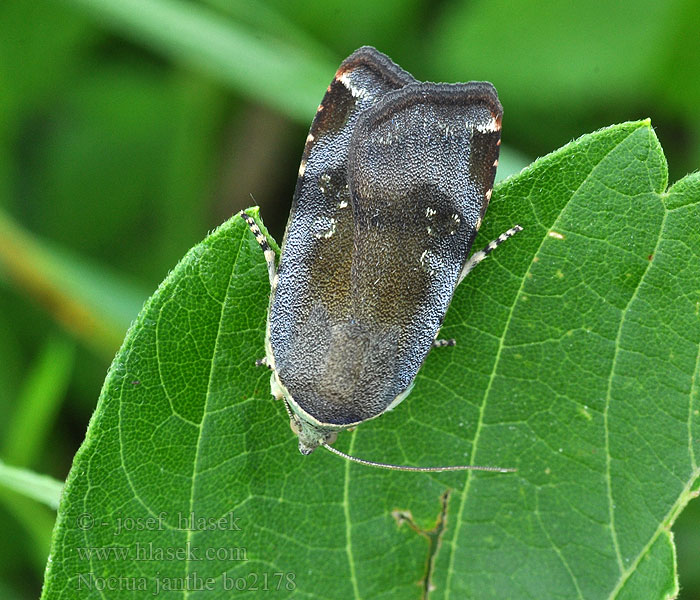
(457, 221)
(325, 179)
(490, 127)
(429, 212)
(425, 261)
(329, 233)
(355, 91)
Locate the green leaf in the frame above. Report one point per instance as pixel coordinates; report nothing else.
(38, 487)
(36, 516)
(36, 406)
(576, 362)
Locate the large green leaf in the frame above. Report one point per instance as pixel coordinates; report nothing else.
(576, 362)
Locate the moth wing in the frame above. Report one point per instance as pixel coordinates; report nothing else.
(313, 291)
(421, 169)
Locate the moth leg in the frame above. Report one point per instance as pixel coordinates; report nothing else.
(477, 257)
(267, 251)
(278, 394)
(443, 343)
(262, 362)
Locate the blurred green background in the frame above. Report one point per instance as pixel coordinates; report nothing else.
(130, 128)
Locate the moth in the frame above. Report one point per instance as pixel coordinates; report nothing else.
(394, 180)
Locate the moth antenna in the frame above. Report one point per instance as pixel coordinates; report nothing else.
(477, 257)
(268, 252)
(379, 465)
(292, 416)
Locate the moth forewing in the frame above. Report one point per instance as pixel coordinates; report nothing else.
(419, 190)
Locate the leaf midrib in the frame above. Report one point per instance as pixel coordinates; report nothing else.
(205, 412)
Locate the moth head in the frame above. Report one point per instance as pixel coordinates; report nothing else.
(310, 437)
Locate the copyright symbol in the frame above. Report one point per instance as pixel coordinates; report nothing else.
(85, 521)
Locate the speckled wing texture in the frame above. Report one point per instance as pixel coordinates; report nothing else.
(422, 166)
(314, 270)
(394, 180)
